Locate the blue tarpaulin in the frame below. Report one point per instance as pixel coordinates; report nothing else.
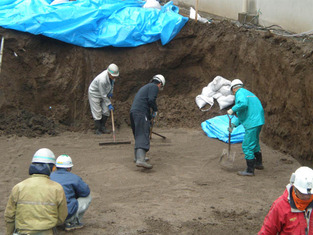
(217, 127)
(94, 23)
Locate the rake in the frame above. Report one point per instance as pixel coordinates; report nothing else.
(114, 135)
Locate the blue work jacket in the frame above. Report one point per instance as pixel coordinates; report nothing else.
(74, 187)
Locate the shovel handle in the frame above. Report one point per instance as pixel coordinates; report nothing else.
(113, 127)
(229, 134)
(151, 127)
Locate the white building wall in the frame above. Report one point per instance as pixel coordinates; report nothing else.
(292, 15)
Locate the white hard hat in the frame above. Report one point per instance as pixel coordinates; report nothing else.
(234, 83)
(64, 161)
(113, 70)
(159, 78)
(302, 179)
(44, 155)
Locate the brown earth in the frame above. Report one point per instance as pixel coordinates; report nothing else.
(43, 103)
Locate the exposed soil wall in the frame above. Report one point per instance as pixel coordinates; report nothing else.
(44, 82)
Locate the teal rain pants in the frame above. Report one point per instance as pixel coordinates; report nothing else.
(250, 143)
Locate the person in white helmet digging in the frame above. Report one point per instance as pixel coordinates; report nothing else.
(143, 109)
(100, 92)
(36, 205)
(250, 113)
(77, 192)
(291, 213)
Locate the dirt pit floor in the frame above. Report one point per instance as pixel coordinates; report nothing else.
(43, 103)
(187, 192)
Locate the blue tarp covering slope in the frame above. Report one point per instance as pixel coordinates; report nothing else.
(217, 127)
(94, 23)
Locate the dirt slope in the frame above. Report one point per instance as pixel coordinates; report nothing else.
(38, 73)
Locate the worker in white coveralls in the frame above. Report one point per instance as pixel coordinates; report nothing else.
(143, 109)
(77, 192)
(100, 93)
(250, 113)
(36, 205)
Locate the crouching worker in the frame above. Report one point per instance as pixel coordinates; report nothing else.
(77, 192)
(36, 205)
(291, 213)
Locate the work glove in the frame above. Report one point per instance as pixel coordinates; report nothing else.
(231, 127)
(230, 111)
(110, 96)
(154, 114)
(111, 107)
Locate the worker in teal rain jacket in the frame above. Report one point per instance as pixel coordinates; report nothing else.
(250, 113)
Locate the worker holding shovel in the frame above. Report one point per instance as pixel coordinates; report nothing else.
(99, 94)
(250, 113)
(143, 109)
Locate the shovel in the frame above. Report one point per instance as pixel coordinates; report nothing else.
(226, 153)
(114, 137)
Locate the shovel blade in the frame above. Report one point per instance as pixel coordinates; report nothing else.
(224, 154)
(227, 159)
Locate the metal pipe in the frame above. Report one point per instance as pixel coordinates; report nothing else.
(244, 5)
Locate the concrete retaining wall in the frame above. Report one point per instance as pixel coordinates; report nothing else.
(292, 15)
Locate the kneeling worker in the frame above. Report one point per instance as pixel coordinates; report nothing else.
(77, 192)
(36, 205)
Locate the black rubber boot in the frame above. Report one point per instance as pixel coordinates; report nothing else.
(98, 127)
(258, 161)
(250, 168)
(103, 121)
(140, 159)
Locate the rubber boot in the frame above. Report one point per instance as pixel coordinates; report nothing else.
(250, 168)
(258, 161)
(140, 159)
(98, 127)
(135, 158)
(103, 121)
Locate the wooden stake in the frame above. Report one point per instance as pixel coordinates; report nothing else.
(197, 4)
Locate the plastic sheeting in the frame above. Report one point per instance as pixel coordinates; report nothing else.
(94, 23)
(217, 128)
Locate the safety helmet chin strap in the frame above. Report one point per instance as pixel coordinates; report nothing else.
(237, 86)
